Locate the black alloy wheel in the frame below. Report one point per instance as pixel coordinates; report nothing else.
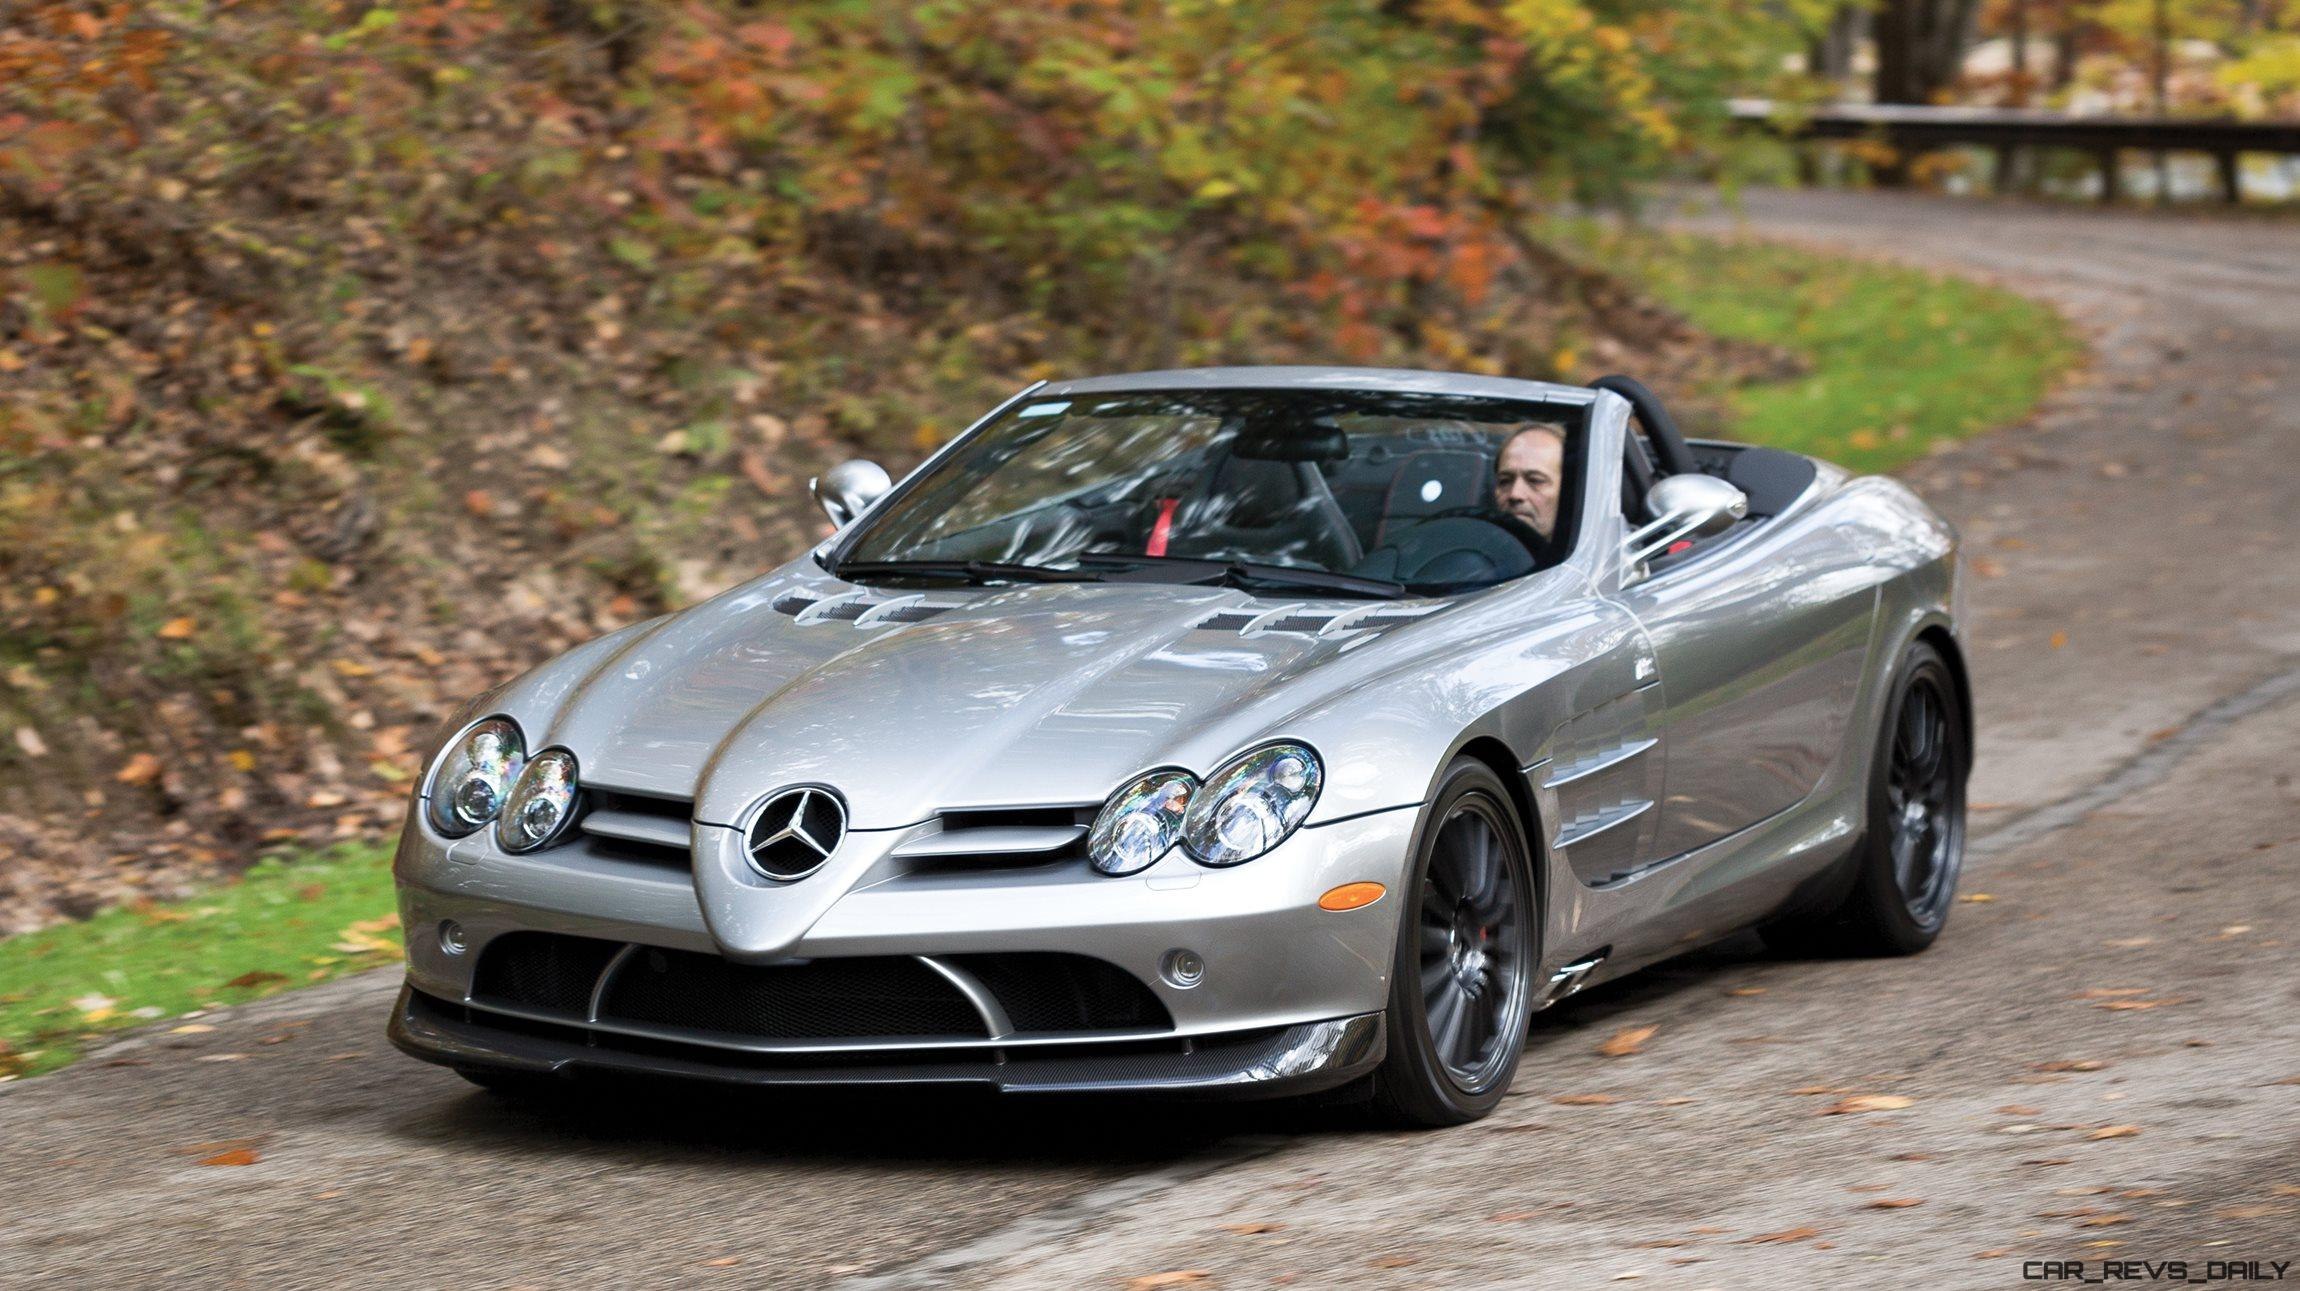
(1468, 949)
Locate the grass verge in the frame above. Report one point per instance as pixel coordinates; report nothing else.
(1900, 360)
(278, 926)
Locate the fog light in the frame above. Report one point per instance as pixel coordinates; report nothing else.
(451, 937)
(1182, 969)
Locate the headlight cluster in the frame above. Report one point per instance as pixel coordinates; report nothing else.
(1248, 806)
(485, 777)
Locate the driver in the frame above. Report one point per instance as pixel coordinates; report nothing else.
(1528, 474)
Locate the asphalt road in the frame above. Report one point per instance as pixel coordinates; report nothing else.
(2100, 1060)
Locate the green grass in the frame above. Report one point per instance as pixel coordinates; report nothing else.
(278, 926)
(1900, 359)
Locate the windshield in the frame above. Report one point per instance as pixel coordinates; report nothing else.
(1394, 489)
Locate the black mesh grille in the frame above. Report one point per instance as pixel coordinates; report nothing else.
(1229, 621)
(1047, 991)
(793, 602)
(541, 970)
(849, 611)
(822, 999)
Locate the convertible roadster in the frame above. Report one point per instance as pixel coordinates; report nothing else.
(1215, 732)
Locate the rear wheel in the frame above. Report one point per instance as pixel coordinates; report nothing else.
(1906, 869)
(1468, 944)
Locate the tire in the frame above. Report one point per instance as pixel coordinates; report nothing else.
(1468, 950)
(1906, 866)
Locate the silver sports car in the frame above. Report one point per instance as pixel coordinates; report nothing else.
(1239, 731)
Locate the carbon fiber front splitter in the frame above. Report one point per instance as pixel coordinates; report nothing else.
(1276, 1062)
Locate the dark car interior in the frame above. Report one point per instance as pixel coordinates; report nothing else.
(1387, 486)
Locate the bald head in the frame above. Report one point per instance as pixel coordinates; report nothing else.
(1528, 475)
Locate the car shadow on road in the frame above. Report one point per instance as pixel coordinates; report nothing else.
(895, 1126)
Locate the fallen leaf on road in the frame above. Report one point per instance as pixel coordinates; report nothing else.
(1746, 991)
(221, 1145)
(2109, 992)
(237, 1156)
(723, 1262)
(2068, 1064)
(2127, 1006)
(1976, 898)
(2048, 1161)
(1868, 1103)
(1263, 1227)
(260, 977)
(1895, 1203)
(178, 629)
(2114, 1132)
(2059, 639)
(2015, 1109)
(1785, 1235)
(1585, 1100)
(2104, 1221)
(1627, 1041)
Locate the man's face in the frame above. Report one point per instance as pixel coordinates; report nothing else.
(1525, 480)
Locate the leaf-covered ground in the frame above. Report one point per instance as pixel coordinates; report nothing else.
(354, 358)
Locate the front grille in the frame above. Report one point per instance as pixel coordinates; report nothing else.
(823, 999)
(637, 827)
(864, 997)
(1047, 991)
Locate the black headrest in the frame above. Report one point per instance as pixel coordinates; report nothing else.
(1272, 439)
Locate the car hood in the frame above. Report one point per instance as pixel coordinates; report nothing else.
(1050, 694)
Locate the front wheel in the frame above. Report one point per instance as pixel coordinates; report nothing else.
(1468, 949)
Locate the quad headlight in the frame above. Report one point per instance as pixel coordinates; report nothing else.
(473, 776)
(1251, 803)
(1140, 823)
(1248, 806)
(542, 801)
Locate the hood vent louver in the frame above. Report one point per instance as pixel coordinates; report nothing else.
(862, 609)
(1295, 620)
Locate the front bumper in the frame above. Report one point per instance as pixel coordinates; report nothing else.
(1296, 1060)
(1289, 1000)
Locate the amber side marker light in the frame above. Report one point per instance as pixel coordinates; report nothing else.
(1351, 896)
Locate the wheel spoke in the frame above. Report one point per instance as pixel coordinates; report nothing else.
(1446, 1021)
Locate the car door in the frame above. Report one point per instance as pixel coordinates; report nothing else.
(1759, 635)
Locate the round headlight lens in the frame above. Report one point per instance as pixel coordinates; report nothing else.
(468, 787)
(1140, 823)
(541, 803)
(1251, 803)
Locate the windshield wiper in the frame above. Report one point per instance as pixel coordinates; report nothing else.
(967, 571)
(1246, 574)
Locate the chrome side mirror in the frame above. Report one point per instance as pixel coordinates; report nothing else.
(1683, 506)
(847, 490)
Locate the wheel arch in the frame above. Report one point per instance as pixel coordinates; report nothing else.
(1496, 757)
(1937, 635)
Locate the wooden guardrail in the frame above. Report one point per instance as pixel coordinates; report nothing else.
(1912, 129)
